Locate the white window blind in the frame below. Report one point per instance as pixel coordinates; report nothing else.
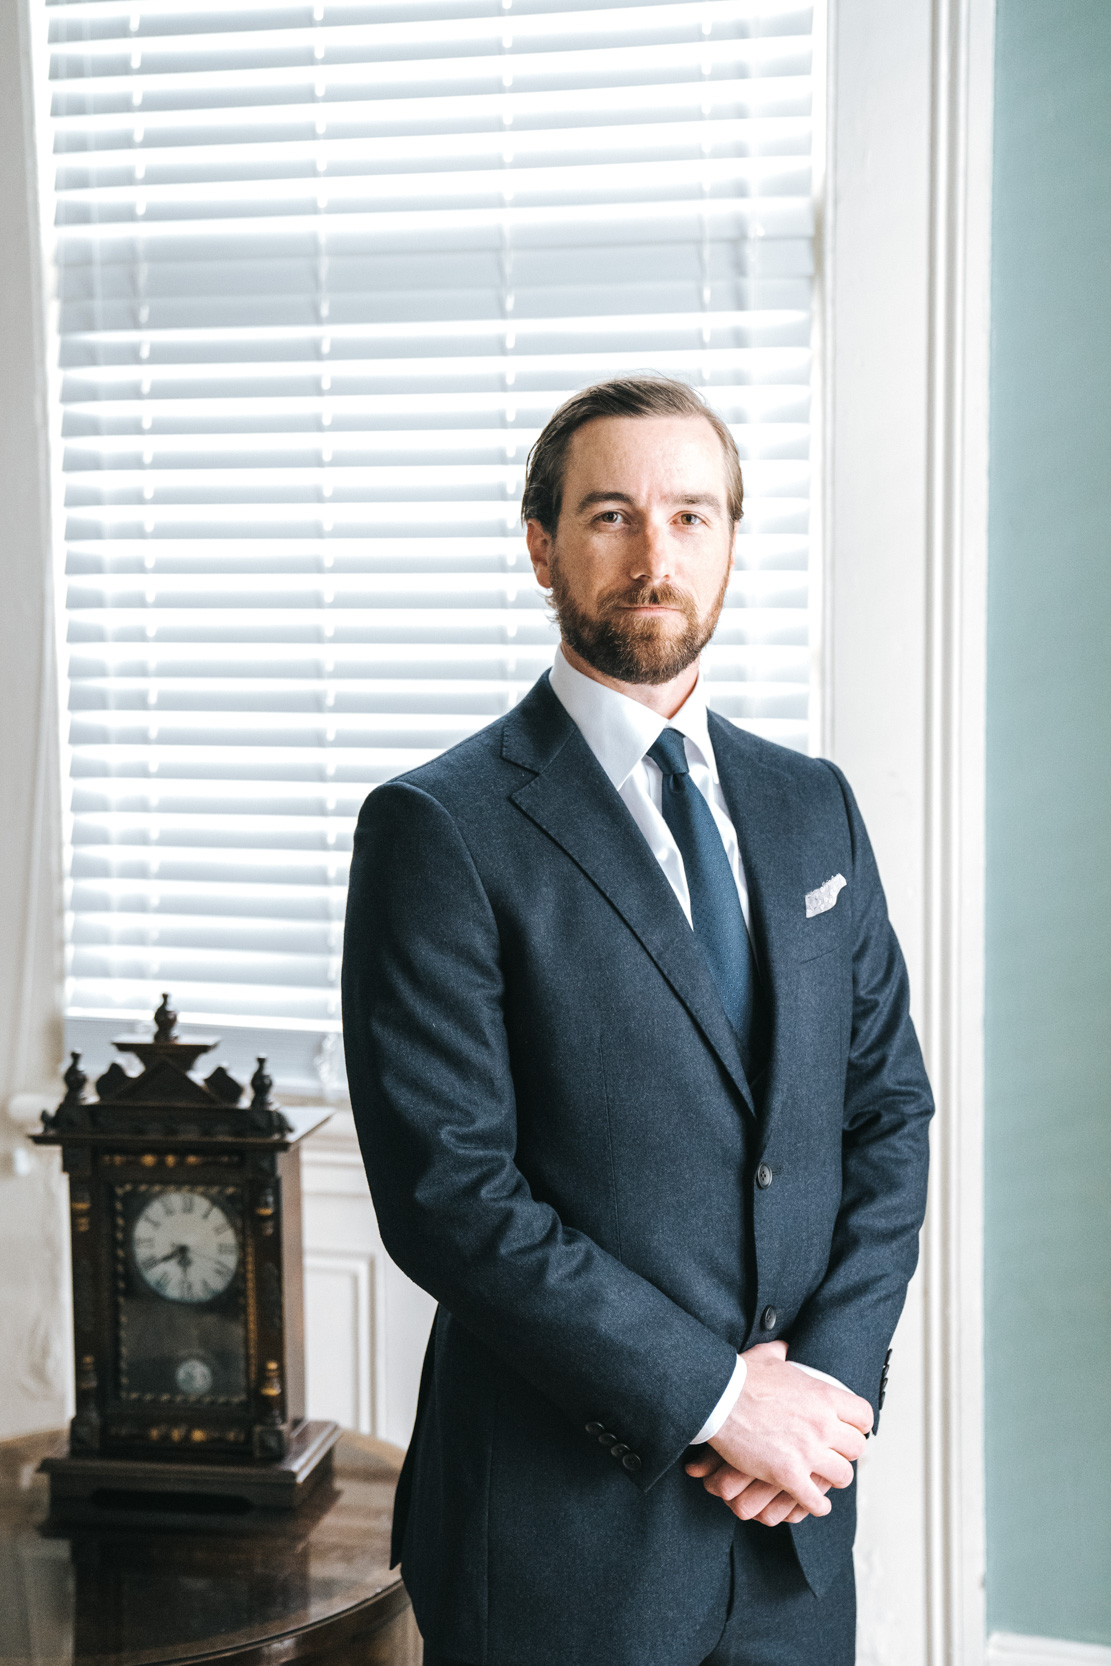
(323, 271)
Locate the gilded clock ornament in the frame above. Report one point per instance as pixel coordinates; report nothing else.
(185, 1207)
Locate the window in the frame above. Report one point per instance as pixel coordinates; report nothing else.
(322, 273)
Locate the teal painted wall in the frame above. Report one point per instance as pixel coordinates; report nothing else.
(1049, 827)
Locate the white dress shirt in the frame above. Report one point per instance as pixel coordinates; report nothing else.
(619, 732)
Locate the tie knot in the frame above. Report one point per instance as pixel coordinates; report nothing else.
(670, 753)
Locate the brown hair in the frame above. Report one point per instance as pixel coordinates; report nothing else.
(635, 396)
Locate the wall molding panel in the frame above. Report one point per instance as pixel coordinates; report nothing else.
(340, 1337)
(366, 1324)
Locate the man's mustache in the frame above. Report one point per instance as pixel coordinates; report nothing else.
(649, 595)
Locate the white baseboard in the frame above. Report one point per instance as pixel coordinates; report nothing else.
(1007, 1648)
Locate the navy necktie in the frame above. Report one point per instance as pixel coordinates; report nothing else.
(716, 915)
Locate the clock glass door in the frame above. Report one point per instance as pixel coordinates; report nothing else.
(180, 1282)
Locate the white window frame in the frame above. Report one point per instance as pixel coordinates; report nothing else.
(907, 274)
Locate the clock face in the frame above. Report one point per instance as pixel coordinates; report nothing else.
(185, 1246)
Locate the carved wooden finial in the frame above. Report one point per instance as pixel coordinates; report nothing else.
(261, 1084)
(264, 1112)
(165, 1022)
(75, 1079)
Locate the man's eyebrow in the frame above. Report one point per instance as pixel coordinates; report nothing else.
(688, 500)
(592, 498)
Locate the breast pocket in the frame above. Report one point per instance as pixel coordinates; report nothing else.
(824, 933)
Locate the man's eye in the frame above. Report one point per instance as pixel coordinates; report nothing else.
(689, 518)
(610, 516)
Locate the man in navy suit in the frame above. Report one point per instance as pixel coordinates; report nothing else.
(641, 1105)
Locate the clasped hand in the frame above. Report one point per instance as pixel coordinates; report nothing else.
(788, 1439)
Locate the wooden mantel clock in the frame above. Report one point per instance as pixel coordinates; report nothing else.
(188, 1323)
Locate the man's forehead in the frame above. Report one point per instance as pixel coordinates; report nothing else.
(679, 454)
(606, 432)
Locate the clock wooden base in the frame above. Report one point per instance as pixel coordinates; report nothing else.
(140, 1492)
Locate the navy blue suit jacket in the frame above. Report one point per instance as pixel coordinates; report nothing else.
(561, 1146)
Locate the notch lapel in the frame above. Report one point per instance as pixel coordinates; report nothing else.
(574, 802)
(764, 810)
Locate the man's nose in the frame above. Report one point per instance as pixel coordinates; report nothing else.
(652, 557)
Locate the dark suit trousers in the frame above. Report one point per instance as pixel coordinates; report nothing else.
(774, 1619)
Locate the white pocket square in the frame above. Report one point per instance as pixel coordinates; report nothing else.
(823, 899)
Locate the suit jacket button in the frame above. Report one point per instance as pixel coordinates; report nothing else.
(769, 1318)
(763, 1177)
(630, 1462)
(606, 1439)
(618, 1451)
(595, 1429)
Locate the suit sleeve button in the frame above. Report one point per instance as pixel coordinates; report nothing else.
(595, 1429)
(769, 1318)
(618, 1451)
(764, 1176)
(606, 1439)
(630, 1462)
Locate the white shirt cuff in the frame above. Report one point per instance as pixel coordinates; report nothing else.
(724, 1406)
(822, 1376)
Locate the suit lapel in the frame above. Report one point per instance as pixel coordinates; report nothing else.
(572, 799)
(763, 809)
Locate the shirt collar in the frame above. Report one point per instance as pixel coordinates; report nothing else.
(619, 730)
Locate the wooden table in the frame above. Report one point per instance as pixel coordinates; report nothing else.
(314, 1587)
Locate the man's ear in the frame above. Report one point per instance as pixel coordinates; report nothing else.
(540, 553)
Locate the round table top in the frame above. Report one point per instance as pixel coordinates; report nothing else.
(80, 1596)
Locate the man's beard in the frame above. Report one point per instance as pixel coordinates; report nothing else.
(634, 649)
